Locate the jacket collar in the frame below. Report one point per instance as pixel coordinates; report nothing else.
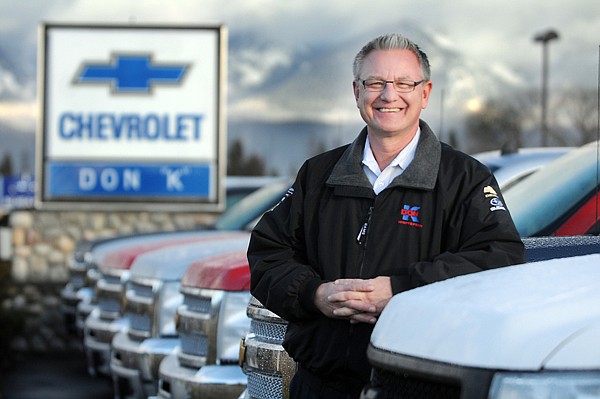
(420, 174)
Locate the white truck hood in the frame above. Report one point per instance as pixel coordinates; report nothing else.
(171, 263)
(524, 317)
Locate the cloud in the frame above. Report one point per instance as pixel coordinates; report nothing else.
(488, 34)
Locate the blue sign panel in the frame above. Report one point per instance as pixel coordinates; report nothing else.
(17, 191)
(165, 180)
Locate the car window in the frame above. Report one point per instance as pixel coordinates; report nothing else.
(240, 215)
(549, 194)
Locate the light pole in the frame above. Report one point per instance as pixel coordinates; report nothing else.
(544, 38)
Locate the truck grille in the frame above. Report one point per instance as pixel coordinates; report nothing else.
(194, 344)
(197, 327)
(265, 386)
(397, 375)
(401, 385)
(77, 279)
(272, 332)
(140, 307)
(268, 367)
(200, 304)
(108, 293)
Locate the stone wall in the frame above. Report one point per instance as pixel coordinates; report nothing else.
(41, 246)
(43, 241)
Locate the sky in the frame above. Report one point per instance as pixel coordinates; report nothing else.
(495, 34)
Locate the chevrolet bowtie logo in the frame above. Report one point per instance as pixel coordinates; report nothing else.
(132, 73)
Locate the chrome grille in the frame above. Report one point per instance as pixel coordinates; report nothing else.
(197, 303)
(268, 331)
(143, 290)
(268, 367)
(77, 279)
(140, 307)
(107, 304)
(197, 327)
(108, 293)
(264, 386)
(194, 344)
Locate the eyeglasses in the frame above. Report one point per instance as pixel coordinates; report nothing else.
(401, 86)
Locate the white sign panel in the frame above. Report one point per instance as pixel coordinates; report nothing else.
(132, 114)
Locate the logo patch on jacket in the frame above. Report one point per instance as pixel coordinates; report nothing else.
(495, 202)
(410, 216)
(287, 195)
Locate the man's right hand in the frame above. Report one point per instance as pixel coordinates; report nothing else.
(346, 301)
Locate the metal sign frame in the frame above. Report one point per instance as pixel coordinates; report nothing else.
(143, 134)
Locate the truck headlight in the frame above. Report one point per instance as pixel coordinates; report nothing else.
(571, 384)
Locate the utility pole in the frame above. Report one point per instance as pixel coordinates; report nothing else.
(545, 38)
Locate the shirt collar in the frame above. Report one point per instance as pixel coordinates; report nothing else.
(402, 160)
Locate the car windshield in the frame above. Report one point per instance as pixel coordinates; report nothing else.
(240, 215)
(547, 195)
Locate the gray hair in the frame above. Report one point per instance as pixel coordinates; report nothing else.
(391, 41)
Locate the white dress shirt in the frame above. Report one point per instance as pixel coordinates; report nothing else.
(381, 179)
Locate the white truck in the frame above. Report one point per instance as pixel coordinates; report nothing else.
(106, 318)
(269, 368)
(210, 322)
(524, 331)
(151, 299)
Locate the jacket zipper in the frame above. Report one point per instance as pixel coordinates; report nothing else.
(361, 239)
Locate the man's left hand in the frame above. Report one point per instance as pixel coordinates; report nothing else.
(356, 293)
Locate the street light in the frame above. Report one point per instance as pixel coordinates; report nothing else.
(544, 38)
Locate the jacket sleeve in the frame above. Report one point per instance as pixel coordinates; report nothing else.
(280, 275)
(480, 235)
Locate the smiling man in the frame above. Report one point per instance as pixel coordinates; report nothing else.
(394, 210)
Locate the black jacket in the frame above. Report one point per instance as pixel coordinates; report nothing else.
(441, 218)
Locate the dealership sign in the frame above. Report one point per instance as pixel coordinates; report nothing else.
(132, 114)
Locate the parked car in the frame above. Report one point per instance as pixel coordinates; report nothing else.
(151, 299)
(210, 322)
(560, 199)
(106, 318)
(510, 168)
(524, 331)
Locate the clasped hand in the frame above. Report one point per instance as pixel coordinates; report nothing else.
(358, 300)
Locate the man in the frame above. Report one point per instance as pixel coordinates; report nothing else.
(394, 210)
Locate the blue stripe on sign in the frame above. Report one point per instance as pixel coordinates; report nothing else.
(168, 180)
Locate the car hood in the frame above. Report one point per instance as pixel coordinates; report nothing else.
(124, 256)
(524, 317)
(228, 271)
(172, 262)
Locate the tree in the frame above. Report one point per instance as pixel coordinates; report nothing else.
(238, 164)
(497, 124)
(6, 167)
(580, 110)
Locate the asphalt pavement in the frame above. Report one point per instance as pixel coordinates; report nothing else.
(60, 375)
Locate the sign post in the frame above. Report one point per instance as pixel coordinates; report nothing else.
(132, 116)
